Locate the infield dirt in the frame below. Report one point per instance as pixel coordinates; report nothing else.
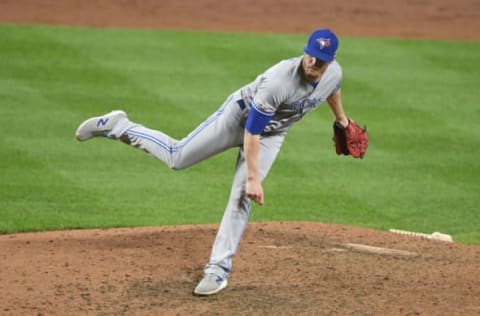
(282, 268)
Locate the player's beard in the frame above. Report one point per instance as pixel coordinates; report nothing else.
(310, 73)
(309, 76)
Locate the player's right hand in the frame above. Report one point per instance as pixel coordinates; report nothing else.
(254, 191)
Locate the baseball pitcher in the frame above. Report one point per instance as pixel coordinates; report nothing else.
(255, 119)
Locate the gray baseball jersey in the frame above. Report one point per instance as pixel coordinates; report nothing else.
(280, 91)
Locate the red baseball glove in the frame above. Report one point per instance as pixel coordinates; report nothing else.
(351, 140)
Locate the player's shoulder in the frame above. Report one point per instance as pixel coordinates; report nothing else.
(335, 65)
(335, 69)
(284, 69)
(290, 64)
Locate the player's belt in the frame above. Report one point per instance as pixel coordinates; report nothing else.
(241, 104)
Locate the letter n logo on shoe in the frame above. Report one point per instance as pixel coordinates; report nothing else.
(102, 122)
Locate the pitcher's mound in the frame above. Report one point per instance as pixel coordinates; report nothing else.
(281, 268)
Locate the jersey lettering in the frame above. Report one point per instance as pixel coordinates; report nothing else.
(301, 105)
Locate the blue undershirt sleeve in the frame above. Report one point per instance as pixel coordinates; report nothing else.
(257, 120)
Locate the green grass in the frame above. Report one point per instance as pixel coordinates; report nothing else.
(419, 100)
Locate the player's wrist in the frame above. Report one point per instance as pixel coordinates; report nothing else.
(343, 121)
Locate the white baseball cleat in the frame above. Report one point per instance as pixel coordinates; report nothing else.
(99, 126)
(210, 284)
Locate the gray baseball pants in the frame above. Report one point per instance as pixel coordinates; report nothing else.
(219, 132)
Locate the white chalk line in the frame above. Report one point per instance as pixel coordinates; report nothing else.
(351, 246)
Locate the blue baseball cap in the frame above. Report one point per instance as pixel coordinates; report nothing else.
(322, 45)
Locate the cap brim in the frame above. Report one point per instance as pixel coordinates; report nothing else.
(319, 55)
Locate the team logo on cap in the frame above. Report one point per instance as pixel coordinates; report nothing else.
(323, 42)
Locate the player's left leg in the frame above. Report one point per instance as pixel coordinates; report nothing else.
(235, 219)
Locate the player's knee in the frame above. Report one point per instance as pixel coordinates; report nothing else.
(177, 166)
(180, 162)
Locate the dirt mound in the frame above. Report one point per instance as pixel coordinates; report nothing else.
(281, 268)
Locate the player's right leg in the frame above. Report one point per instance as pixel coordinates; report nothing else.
(220, 131)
